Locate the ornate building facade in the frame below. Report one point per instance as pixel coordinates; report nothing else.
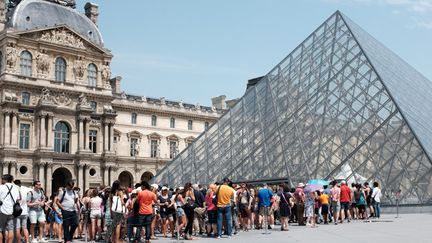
(64, 116)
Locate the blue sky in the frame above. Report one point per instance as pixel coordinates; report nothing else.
(193, 50)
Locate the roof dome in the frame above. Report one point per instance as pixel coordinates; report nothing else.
(38, 14)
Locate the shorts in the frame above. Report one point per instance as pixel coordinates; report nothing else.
(262, 210)
(345, 205)
(58, 219)
(95, 214)
(7, 222)
(180, 212)
(22, 222)
(245, 212)
(212, 216)
(324, 209)
(335, 206)
(37, 216)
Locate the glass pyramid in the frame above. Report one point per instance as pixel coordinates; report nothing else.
(341, 105)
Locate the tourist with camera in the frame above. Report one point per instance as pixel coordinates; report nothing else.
(35, 203)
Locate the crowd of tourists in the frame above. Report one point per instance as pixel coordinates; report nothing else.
(116, 214)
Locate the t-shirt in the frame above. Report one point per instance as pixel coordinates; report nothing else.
(209, 202)
(34, 196)
(95, 203)
(225, 194)
(23, 202)
(376, 194)
(264, 196)
(324, 199)
(68, 200)
(146, 199)
(335, 194)
(345, 194)
(199, 198)
(7, 206)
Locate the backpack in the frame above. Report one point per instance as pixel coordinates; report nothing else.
(63, 196)
(136, 207)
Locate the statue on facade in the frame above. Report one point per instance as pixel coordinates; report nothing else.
(79, 68)
(42, 63)
(13, 3)
(108, 108)
(45, 97)
(11, 57)
(106, 73)
(82, 100)
(10, 96)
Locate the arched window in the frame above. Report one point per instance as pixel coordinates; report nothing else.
(60, 69)
(61, 138)
(92, 75)
(134, 118)
(26, 63)
(154, 120)
(172, 122)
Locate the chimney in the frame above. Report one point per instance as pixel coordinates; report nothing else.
(115, 84)
(92, 12)
(219, 102)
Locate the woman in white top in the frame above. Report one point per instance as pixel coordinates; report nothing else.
(118, 210)
(95, 214)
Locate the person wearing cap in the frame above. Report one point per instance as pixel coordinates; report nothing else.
(166, 212)
(224, 194)
(300, 199)
(345, 201)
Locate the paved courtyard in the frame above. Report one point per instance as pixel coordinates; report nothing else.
(406, 228)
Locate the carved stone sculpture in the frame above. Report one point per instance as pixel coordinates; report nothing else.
(42, 64)
(106, 73)
(45, 97)
(11, 57)
(108, 108)
(82, 100)
(62, 37)
(79, 69)
(10, 96)
(67, 3)
(62, 99)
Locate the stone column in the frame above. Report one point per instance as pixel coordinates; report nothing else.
(80, 177)
(111, 138)
(42, 137)
(105, 176)
(80, 134)
(7, 129)
(86, 134)
(105, 125)
(14, 129)
(42, 173)
(13, 169)
(50, 133)
(49, 178)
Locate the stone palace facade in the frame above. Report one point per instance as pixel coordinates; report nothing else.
(62, 113)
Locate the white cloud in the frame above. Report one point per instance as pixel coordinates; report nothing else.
(425, 24)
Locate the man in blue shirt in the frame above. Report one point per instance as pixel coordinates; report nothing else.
(264, 202)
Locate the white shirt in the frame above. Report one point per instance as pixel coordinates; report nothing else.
(7, 206)
(376, 194)
(23, 203)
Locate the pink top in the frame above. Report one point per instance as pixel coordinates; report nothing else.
(209, 202)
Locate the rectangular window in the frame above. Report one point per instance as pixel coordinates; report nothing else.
(172, 122)
(24, 136)
(93, 106)
(134, 118)
(173, 149)
(93, 141)
(154, 146)
(134, 147)
(190, 125)
(25, 98)
(154, 120)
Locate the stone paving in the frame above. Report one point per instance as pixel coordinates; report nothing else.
(405, 229)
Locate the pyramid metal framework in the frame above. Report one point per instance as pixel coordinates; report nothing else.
(341, 105)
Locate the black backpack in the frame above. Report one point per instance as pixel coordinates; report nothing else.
(17, 210)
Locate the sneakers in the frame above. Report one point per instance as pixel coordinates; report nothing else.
(34, 241)
(43, 240)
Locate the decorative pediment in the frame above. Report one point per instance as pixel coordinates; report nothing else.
(154, 136)
(173, 137)
(135, 134)
(61, 35)
(189, 139)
